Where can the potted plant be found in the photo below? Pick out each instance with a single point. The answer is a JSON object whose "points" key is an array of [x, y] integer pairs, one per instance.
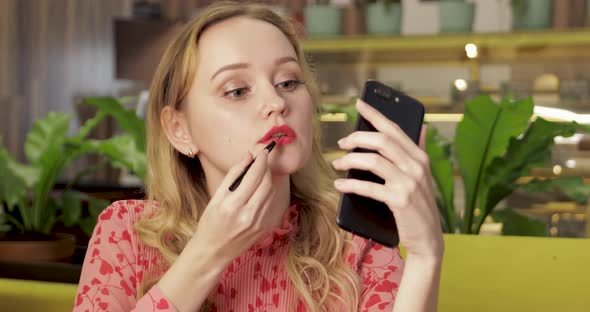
{"points": [[322, 19], [456, 15], [29, 209], [384, 17], [531, 14], [495, 144]]}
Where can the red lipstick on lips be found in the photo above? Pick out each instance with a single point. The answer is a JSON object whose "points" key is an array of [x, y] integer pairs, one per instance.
{"points": [[285, 133]]}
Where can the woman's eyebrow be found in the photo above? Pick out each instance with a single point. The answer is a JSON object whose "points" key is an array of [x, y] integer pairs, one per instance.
{"points": [[286, 59], [230, 67], [279, 61]]}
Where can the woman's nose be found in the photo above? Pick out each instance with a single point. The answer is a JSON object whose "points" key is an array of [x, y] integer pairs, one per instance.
{"points": [[274, 103]]}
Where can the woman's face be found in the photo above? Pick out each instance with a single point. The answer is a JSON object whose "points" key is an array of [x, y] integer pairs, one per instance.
{"points": [[248, 80]]}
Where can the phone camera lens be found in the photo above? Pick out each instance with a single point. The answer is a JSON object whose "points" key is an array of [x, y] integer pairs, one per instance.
{"points": [[388, 94], [384, 93]]}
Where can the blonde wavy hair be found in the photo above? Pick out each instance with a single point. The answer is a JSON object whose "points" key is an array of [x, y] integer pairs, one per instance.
{"points": [[316, 263]]}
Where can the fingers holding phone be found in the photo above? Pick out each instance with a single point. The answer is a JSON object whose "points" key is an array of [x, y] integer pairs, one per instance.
{"points": [[386, 194], [394, 143]]}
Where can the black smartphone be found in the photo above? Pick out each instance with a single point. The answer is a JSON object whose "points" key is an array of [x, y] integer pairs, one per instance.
{"points": [[364, 216]]}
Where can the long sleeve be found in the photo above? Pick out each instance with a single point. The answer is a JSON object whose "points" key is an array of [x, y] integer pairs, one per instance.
{"points": [[381, 273], [110, 275]]}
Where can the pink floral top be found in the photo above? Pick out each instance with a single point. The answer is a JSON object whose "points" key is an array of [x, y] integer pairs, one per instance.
{"points": [[117, 261]]}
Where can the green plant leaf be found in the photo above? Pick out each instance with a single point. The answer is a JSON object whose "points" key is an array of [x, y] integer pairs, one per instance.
{"points": [[87, 127], [45, 150], [71, 207], [532, 149], [46, 137], [573, 187], [49, 151], [121, 152], [48, 216], [95, 207], [517, 224], [5, 227], [51, 166], [13, 187], [442, 172], [126, 119], [87, 225], [8, 222], [29, 174], [482, 135], [15, 181]]}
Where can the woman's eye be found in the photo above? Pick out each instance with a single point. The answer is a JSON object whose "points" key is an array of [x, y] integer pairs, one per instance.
{"points": [[290, 84], [236, 94]]}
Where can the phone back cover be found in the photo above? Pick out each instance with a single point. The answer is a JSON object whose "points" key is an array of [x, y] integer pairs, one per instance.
{"points": [[364, 216]]}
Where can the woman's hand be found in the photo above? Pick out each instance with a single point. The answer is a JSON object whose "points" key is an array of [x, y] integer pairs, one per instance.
{"points": [[230, 224], [407, 190], [234, 221]]}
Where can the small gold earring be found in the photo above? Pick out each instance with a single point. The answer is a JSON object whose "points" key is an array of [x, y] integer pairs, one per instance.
{"points": [[190, 152]]}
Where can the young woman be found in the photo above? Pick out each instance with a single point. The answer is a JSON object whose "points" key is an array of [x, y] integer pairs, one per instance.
{"points": [[234, 80]]}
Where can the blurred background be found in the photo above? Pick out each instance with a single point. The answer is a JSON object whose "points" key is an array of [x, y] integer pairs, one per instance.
{"points": [[74, 57]]}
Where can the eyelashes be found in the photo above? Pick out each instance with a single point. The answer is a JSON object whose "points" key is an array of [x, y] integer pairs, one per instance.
{"points": [[236, 94], [290, 85], [242, 92]]}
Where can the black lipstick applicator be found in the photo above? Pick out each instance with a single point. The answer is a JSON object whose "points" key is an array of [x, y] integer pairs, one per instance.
{"points": [[238, 180]]}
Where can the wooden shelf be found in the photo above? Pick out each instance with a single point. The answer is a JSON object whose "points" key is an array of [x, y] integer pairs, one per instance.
{"points": [[449, 49], [439, 110], [574, 37], [341, 99]]}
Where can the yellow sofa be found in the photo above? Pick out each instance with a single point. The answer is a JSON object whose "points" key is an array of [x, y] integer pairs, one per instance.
{"points": [[480, 273], [500, 273], [29, 296]]}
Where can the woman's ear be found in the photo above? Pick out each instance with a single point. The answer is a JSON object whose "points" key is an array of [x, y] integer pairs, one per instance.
{"points": [[176, 128]]}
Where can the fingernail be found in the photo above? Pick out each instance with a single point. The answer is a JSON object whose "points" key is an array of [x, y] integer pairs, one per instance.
{"points": [[338, 182], [341, 141]]}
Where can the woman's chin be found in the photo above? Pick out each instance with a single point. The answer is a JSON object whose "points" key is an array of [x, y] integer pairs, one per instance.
{"points": [[286, 164]]}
